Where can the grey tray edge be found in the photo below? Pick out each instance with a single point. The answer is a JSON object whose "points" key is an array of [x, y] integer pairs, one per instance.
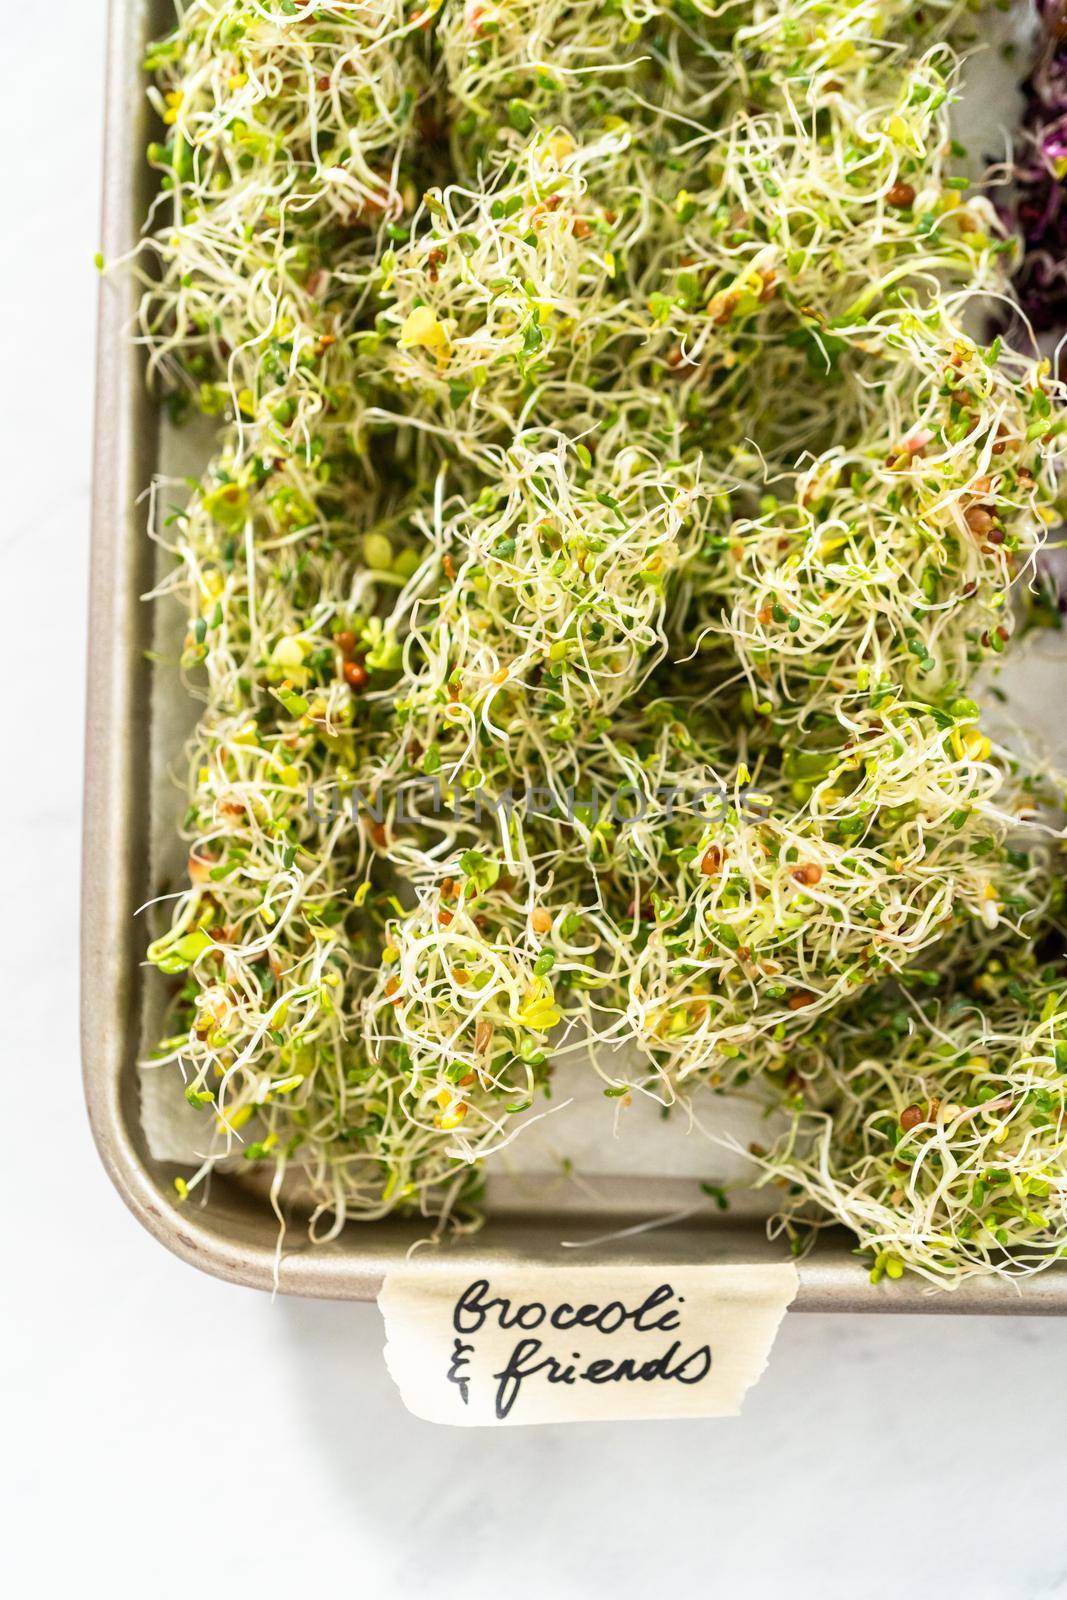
{"points": [[233, 1237]]}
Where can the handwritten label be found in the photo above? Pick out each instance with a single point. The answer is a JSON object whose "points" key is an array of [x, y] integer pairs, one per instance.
{"points": [[570, 1344]]}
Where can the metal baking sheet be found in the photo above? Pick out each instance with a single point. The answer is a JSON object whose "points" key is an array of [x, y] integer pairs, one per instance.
{"points": [[234, 1234]]}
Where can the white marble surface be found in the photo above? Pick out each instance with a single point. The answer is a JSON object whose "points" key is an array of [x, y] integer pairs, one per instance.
{"points": [[170, 1436]]}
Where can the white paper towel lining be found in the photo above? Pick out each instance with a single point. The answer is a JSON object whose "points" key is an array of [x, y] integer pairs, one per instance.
{"points": [[565, 1154]]}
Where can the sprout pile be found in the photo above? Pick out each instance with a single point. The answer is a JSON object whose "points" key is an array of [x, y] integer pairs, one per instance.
{"points": [[1041, 175], [615, 509]]}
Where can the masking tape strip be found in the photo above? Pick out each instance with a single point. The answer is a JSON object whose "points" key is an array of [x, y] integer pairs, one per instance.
{"points": [[525, 1344]]}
